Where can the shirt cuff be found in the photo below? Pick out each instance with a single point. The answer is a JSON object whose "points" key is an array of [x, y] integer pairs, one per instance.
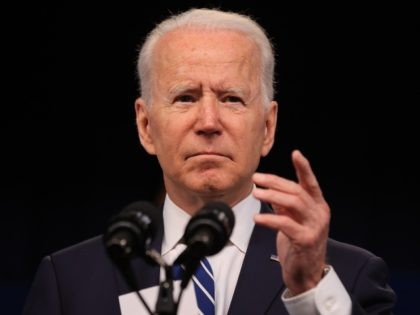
{"points": [[329, 297]]}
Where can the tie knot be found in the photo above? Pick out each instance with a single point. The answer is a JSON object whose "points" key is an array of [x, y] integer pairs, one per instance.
{"points": [[177, 272], [178, 269]]}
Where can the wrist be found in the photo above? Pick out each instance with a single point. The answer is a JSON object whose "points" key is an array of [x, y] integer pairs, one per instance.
{"points": [[299, 288]]}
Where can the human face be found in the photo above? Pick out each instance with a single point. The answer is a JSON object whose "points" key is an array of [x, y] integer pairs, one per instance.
{"points": [[206, 124]]}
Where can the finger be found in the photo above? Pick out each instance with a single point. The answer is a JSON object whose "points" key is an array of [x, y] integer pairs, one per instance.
{"points": [[283, 203], [305, 175], [276, 182], [279, 223]]}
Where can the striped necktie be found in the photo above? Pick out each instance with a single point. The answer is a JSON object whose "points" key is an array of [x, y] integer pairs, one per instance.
{"points": [[203, 286]]}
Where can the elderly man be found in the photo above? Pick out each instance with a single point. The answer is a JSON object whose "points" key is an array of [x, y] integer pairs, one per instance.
{"points": [[207, 112]]}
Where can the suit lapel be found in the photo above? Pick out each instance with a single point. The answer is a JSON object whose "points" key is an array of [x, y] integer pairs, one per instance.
{"points": [[260, 281]]}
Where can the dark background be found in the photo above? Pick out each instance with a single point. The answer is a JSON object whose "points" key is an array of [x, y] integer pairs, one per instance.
{"points": [[348, 89]]}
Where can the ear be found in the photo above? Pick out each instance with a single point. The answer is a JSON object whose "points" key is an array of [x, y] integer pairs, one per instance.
{"points": [[270, 128], [143, 126]]}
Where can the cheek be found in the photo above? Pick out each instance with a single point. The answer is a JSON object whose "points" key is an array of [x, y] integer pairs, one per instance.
{"points": [[252, 133], [167, 136], [248, 146]]}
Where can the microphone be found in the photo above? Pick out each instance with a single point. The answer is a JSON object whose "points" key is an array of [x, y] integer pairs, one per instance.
{"points": [[206, 234], [130, 232]]}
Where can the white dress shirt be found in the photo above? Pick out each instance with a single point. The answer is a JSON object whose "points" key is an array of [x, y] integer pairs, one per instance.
{"points": [[329, 297]]}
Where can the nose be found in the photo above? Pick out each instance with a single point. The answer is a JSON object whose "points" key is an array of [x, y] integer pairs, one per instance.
{"points": [[208, 117]]}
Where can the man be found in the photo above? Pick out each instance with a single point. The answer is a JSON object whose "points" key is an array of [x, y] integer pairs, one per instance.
{"points": [[207, 113]]}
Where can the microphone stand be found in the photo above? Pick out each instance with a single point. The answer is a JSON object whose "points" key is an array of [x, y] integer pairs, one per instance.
{"points": [[165, 304], [128, 274]]}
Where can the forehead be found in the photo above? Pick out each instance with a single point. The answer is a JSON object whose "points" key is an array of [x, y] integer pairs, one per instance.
{"points": [[199, 47]]}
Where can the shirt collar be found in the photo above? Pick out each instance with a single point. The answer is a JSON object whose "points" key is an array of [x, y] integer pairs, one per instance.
{"points": [[175, 220], [244, 221]]}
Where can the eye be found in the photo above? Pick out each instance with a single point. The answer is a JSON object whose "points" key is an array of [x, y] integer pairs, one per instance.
{"points": [[232, 99], [184, 98]]}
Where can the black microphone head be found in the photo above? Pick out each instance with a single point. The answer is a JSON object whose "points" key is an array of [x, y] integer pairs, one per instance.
{"points": [[210, 228], [131, 231]]}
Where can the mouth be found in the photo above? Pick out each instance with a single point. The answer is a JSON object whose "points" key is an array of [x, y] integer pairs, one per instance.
{"points": [[208, 154]]}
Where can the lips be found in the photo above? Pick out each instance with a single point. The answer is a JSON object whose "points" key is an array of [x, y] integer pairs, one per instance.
{"points": [[208, 153]]}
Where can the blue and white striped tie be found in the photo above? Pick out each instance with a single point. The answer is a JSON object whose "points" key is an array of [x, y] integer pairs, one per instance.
{"points": [[203, 286]]}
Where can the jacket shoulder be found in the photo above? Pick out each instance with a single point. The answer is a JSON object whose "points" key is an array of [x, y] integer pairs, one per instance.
{"points": [[340, 248], [87, 248], [74, 279], [350, 261]]}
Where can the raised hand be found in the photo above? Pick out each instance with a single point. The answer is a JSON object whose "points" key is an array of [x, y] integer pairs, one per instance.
{"points": [[301, 217]]}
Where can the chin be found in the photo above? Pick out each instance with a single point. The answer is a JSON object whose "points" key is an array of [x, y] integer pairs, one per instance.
{"points": [[211, 186]]}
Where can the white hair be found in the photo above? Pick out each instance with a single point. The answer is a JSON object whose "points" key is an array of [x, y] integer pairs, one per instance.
{"points": [[209, 19]]}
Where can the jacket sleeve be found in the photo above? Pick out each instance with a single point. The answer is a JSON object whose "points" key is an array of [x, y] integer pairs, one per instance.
{"points": [[44, 295], [371, 293]]}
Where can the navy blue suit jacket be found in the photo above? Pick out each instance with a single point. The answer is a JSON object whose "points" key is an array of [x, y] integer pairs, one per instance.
{"points": [[82, 280]]}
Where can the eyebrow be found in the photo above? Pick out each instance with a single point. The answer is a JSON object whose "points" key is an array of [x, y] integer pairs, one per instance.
{"points": [[182, 88], [193, 87], [233, 90]]}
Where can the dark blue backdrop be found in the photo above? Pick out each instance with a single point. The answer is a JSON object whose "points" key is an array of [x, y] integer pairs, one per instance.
{"points": [[347, 87]]}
